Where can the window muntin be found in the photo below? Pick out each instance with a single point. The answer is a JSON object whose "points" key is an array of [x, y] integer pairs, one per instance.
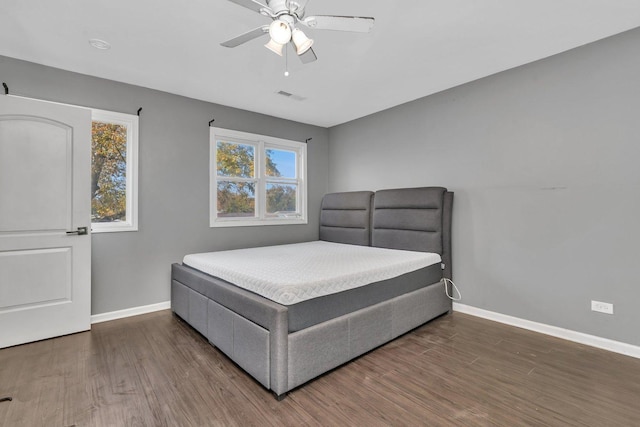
{"points": [[114, 152], [256, 180]]}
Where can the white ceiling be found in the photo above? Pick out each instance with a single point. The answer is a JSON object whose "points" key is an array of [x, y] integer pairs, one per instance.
{"points": [[416, 48]]}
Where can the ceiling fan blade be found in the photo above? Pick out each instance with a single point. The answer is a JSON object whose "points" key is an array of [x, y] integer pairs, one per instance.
{"points": [[254, 5], [308, 56], [358, 24], [243, 38]]}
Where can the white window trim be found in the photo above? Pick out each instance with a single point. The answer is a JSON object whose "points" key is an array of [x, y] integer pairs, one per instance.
{"points": [[132, 123], [260, 142]]}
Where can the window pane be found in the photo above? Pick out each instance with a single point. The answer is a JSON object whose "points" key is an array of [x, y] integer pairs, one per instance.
{"points": [[281, 200], [236, 199], [281, 163], [235, 160], [108, 172]]}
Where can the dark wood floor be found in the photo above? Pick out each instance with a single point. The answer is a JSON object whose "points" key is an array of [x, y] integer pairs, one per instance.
{"points": [[154, 370]]}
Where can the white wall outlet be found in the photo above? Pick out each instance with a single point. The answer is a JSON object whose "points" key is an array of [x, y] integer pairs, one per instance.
{"points": [[602, 307]]}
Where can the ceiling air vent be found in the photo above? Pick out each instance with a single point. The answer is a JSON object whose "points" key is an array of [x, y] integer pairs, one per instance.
{"points": [[290, 95]]}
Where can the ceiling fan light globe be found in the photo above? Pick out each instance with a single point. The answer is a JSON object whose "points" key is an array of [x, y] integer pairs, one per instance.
{"points": [[302, 42], [274, 47], [280, 32]]}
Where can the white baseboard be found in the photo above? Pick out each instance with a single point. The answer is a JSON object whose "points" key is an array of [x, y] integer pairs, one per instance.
{"points": [[133, 311], [579, 337]]}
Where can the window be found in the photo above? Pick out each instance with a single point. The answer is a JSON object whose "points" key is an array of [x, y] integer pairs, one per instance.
{"points": [[114, 170], [256, 180]]}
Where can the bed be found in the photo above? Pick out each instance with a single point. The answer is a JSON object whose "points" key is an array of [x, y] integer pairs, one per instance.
{"points": [[285, 334]]}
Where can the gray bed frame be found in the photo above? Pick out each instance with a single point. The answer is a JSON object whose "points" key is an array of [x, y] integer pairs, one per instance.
{"points": [[253, 331]]}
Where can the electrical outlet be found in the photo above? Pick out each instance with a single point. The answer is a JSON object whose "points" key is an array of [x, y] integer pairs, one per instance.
{"points": [[602, 307]]}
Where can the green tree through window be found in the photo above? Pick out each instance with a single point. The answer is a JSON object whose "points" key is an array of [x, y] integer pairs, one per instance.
{"points": [[108, 172], [235, 160], [256, 180], [281, 198]]}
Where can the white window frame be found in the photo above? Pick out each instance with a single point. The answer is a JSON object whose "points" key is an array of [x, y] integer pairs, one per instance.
{"points": [[261, 144], [132, 123]]}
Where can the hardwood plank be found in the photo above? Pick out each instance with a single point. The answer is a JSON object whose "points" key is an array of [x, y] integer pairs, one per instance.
{"points": [[155, 370]]}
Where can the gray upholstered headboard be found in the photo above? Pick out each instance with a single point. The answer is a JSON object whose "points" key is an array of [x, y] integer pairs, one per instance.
{"points": [[414, 219], [346, 218]]}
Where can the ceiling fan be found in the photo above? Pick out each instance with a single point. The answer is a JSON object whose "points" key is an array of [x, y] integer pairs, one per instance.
{"points": [[286, 15]]}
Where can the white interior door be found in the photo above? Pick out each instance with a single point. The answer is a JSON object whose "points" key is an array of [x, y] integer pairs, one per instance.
{"points": [[45, 272]]}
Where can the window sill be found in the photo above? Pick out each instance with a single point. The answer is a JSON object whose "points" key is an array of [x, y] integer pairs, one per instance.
{"points": [[103, 228], [256, 222]]}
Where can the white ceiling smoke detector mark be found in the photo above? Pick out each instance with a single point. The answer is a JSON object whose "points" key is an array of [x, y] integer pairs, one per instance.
{"points": [[99, 44]]}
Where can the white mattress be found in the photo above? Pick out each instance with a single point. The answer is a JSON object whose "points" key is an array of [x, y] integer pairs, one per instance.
{"points": [[288, 274]]}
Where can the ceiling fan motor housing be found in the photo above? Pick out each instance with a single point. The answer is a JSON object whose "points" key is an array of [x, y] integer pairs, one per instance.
{"points": [[286, 8]]}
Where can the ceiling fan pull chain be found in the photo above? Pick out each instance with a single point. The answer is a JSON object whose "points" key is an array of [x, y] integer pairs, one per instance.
{"points": [[286, 61]]}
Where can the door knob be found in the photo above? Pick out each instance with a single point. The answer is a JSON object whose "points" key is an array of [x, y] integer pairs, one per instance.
{"points": [[80, 231]]}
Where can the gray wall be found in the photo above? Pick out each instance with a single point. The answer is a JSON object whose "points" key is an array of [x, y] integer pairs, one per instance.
{"points": [[544, 163], [131, 269]]}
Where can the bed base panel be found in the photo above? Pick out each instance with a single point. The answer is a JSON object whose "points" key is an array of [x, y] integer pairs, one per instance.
{"points": [[259, 312], [253, 331], [325, 346], [243, 341]]}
